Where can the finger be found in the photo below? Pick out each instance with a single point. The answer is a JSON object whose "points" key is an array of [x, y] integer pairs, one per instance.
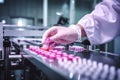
{"points": [[49, 33]]}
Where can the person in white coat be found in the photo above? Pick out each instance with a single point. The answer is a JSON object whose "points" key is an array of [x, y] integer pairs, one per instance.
{"points": [[100, 26]]}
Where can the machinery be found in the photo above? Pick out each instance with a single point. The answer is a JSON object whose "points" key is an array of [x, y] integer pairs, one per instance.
{"points": [[21, 58]]}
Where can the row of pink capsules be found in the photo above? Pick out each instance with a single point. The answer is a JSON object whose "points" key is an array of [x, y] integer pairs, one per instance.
{"points": [[54, 55], [74, 64], [76, 48], [67, 61], [59, 48], [71, 48]]}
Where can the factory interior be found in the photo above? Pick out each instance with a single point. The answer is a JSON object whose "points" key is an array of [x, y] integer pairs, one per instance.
{"points": [[22, 25]]}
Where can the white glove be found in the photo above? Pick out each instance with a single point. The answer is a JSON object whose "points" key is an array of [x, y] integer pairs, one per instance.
{"points": [[61, 35]]}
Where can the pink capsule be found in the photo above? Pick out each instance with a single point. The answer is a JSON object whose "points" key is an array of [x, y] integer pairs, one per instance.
{"points": [[70, 57], [58, 55], [43, 53], [52, 53], [39, 53], [55, 51], [77, 48], [29, 48], [72, 48], [64, 54], [32, 49], [45, 47], [51, 50], [47, 54], [60, 48], [52, 56], [62, 59], [77, 59], [37, 50]]}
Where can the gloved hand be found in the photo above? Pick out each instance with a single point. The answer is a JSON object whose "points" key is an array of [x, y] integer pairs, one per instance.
{"points": [[60, 35]]}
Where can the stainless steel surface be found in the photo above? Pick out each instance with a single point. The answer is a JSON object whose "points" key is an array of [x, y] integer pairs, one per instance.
{"points": [[1, 54], [71, 70], [1, 38], [23, 31]]}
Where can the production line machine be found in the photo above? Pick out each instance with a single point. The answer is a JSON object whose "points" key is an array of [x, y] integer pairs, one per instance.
{"points": [[11, 66], [76, 63], [25, 60]]}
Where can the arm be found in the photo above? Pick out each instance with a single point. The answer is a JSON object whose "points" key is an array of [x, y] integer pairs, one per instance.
{"points": [[103, 24]]}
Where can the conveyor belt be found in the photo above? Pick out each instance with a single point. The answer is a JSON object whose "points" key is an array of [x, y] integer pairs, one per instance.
{"points": [[59, 65]]}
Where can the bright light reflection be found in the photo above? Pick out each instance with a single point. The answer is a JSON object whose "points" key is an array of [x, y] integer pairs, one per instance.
{"points": [[3, 21], [20, 22], [71, 75], [1, 1]]}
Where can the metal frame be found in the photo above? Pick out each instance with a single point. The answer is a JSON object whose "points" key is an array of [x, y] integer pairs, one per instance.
{"points": [[23, 31], [11, 31]]}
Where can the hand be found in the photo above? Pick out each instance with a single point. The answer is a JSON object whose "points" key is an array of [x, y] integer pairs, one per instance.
{"points": [[60, 35]]}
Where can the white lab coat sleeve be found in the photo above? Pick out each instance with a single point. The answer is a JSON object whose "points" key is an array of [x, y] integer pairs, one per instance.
{"points": [[103, 23]]}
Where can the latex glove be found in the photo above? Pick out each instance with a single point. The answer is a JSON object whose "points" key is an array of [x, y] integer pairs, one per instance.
{"points": [[47, 45], [60, 35]]}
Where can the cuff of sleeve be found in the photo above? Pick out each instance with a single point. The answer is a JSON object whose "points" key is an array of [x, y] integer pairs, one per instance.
{"points": [[78, 30]]}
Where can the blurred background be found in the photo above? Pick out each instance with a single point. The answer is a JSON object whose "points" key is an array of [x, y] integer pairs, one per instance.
{"points": [[46, 13]]}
